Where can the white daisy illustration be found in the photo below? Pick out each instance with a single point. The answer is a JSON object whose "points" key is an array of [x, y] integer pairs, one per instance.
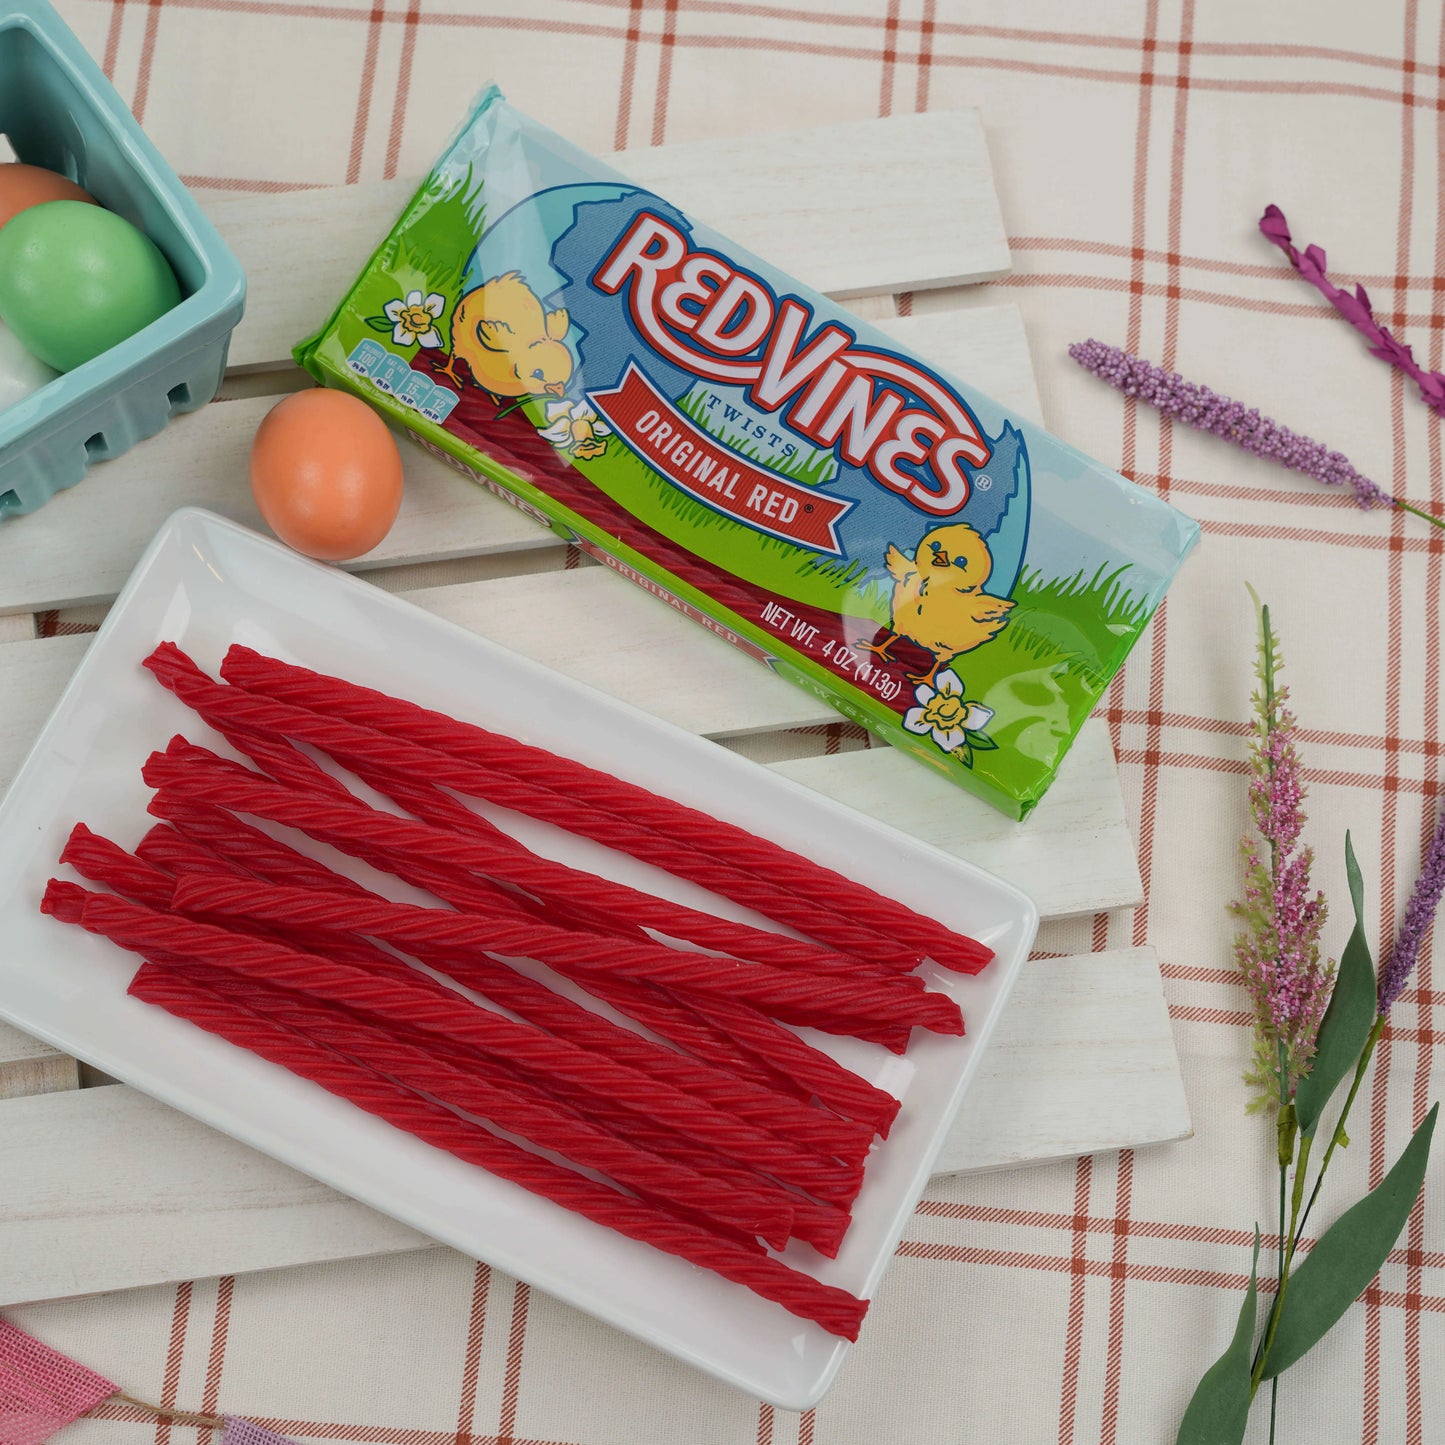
{"points": [[414, 319], [942, 713]]}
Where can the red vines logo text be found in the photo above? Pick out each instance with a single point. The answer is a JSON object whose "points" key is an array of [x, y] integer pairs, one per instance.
{"points": [[722, 323]]}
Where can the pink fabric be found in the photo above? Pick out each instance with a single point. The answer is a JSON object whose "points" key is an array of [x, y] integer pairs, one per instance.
{"points": [[42, 1391], [243, 1432]]}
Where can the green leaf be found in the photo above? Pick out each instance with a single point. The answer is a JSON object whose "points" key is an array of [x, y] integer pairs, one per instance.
{"points": [[982, 742], [1219, 1411], [378, 323], [1349, 1018], [1348, 1256]]}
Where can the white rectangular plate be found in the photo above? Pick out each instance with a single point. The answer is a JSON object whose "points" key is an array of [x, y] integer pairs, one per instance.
{"points": [[205, 583]]}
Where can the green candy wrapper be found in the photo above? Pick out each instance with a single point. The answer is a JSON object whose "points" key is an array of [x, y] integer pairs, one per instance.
{"points": [[955, 579]]}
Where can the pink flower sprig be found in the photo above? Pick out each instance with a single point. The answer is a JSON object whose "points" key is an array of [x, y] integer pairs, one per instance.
{"points": [[1355, 308], [1197, 406], [1278, 947]]}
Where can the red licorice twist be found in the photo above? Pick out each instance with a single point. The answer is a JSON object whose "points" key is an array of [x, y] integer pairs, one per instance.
{"points": [[242, 717], [519, 1108], [261, 903], [834, 1309], [420, 1001], [200, 775], [787, 1058], [258, 726], [820, 1225], [507, 863], [786, 995], [893, 926]]}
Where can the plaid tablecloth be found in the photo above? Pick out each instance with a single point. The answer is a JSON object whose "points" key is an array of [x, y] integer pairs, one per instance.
{"points": [[1136, 143]]}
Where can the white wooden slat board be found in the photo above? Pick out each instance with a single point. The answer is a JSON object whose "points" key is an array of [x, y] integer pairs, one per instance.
{"points": [[107, 1189], [29, 1067], [1073, 851], [850, 209], [80, 547]]}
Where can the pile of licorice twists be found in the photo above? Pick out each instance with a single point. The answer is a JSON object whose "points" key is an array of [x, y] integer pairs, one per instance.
{"points": [[720, 1132]]}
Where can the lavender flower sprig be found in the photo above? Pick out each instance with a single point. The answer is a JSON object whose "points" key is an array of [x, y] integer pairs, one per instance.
{"points": [[1355, 308], [1207, 411], [1419, 913]]}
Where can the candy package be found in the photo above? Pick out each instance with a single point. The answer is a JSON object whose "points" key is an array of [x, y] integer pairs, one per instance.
{"points": [[953, 578]]}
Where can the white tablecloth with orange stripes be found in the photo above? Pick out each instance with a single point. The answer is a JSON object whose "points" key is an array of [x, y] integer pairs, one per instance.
{"points": [[1136, 143]]}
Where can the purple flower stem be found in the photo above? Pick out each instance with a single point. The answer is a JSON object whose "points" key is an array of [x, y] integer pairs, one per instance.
{"points": [[1208, 411], [1419, 914]]}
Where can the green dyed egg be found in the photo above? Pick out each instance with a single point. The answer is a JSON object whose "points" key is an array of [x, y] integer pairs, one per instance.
{"points": [[76, 280]]}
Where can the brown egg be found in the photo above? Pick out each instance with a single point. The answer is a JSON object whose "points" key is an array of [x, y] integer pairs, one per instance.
{"points": [[23, 186], [326, 474]]}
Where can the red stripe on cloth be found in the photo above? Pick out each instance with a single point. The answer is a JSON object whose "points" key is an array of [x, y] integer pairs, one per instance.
{"points": [[1074, 1330], [363, 97], [263, 188], [1370, 1432], [516, 1347], [889, 57], [112, 38], [147, 59], [668, 42], [765, 1425], [220, 1331], [180, 1319], [1423, 993], [403, 90], [832, 20], [926, 30], [472, 1356], [629, 74], [41, 1390]]}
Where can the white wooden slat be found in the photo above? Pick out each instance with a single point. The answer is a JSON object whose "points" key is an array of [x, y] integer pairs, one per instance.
{"points": [[28, 1066], [981, 345], [52, 1073], [901, 204], [111, 1190], [1083, 1061], [32, 676], [18, 1048], [1074, 855], [80, 547], [107, 1189]]}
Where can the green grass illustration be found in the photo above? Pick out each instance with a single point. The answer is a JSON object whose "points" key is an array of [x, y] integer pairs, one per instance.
{"points": [[423, 254], [1065, 637]]}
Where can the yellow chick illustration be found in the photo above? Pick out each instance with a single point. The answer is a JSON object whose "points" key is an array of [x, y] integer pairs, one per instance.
{"points": [[513, 345], [938, 601]]}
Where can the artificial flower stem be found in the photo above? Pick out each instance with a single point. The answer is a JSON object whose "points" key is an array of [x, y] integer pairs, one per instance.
{"points": [[1366, 1054], [1417, 512], [1297, 1199], [1279, 1248]]}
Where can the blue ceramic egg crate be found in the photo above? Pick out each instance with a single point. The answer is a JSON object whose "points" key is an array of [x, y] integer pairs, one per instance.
{"points": [[59, 111]]}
